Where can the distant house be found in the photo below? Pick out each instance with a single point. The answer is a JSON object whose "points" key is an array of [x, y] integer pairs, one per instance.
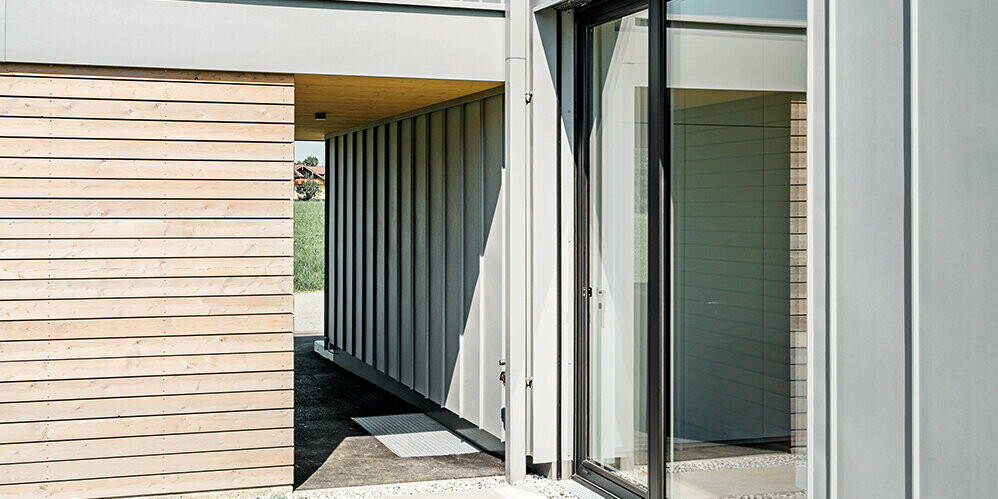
{"points": [[305, 172]]}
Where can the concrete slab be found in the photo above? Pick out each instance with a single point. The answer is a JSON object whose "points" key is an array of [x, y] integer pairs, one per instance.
{"points": [[309, 313], [331, 451]]}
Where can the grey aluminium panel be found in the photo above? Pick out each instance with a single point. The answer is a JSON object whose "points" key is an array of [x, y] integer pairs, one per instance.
{"points": [[349, 236], [454, 206], [425, 195], [306, 36], [955, 212], [381, 251], [492, 271], [471, 391], [355, 342], [370, 181], [394, 325], [406, 269], [3, 30], [330, 238], [421, 257], [437, 256], [340, 288]]}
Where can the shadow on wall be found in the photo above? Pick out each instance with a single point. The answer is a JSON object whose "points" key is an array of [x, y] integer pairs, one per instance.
{"points": [[415, 265]]}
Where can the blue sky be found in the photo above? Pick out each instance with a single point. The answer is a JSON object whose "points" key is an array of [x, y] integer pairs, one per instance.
{"points": [[306, 148]]}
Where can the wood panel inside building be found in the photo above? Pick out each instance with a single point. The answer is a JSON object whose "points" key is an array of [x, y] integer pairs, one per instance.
{"points": [[145, 281]]}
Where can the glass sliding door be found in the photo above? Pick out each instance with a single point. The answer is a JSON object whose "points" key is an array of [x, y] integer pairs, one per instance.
{"points": [[692, 318], [615, 345], [735, 119]]}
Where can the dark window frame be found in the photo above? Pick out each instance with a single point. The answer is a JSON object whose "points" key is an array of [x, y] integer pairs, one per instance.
{"points": [[659, 240]]}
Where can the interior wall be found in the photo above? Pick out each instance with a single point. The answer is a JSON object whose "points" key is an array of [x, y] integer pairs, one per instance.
{"points": [[416, 273], [145, 281]]}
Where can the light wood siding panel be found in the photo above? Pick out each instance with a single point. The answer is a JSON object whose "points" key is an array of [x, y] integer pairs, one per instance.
{"points": [[145, 281], [428, 311]]}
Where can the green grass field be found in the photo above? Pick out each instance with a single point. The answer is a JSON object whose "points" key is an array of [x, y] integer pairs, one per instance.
{"points": [[309, 245]]}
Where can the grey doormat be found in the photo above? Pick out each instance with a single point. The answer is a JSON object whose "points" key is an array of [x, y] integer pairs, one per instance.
{"points": [[414, 435]]}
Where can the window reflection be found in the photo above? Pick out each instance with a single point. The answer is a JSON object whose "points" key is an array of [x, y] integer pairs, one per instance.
{"points": [[738, 172], [618, 224]]}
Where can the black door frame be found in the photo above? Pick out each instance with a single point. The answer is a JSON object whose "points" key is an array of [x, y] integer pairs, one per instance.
{"points": [[659, 240]]}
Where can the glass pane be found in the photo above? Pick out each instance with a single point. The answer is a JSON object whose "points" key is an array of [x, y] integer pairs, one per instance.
{"points": [[618, 220], [783, 10], [738, 334]]}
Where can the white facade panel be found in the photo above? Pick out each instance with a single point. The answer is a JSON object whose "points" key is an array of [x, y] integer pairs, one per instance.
{"points": [[954, 118], [342, 38]]}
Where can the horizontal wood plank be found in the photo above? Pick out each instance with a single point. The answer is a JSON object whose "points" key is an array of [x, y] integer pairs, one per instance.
{"points": [[145, 149], [146, 130], [144, 169], [143, 248], [145, 465], [144, 307], [156, 484], [128, 328], [144, 346], [147, 189], [135, 426], [87, 228], [140, 208], [54, 289], [138, 446], [143, 406], [145, 267], [39, 391], [148, 90], [144, 110], [151, 366], [146, 261]]}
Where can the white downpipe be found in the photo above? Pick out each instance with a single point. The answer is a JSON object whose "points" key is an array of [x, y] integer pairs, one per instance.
{"points": [[516, 186]]}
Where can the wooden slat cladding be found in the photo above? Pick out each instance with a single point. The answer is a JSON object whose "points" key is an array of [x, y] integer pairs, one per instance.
{"points": [[145, 281], [415, 253], [108, 169]]}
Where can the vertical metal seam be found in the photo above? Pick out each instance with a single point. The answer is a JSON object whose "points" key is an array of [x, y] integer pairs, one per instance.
{"points": [[558, 257], [358, 230], [327, 222], [462, 270], [909, 270], [481, 248], [443, 276], [829, 478]]}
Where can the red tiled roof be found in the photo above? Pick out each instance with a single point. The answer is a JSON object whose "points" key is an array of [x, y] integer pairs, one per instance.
{"points": [[318, 171]]}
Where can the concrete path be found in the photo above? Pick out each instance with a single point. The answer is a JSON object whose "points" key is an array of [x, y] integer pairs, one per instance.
{"points": [[309, 313], [331, 450]]}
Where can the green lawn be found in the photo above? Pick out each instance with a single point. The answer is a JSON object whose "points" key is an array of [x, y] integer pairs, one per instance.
{"points": [[309, 245]]}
